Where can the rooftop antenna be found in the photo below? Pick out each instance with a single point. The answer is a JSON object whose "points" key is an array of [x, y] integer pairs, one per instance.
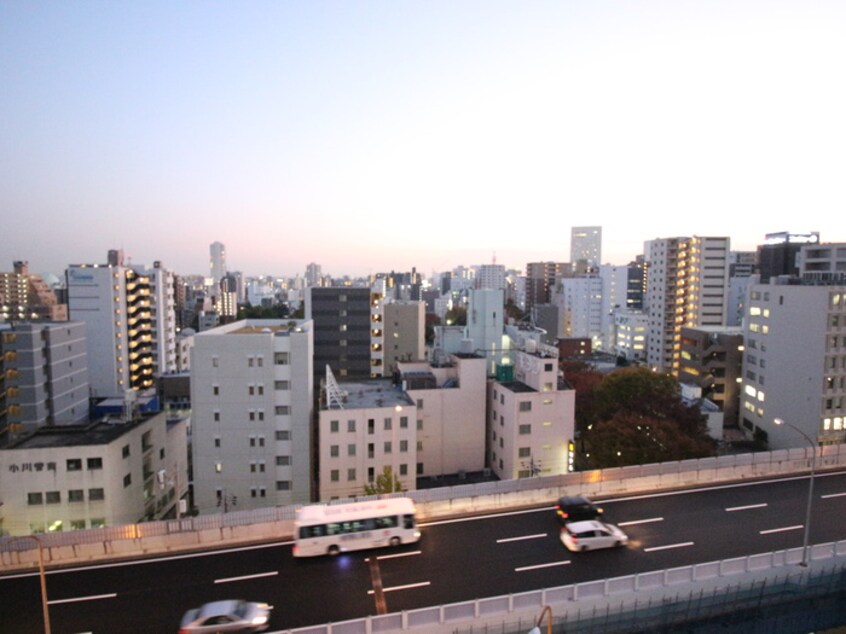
{"points": [[334, 394]]}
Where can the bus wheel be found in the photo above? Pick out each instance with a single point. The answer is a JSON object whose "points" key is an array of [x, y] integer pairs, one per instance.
{"points": [[333, 550], [395, 541]]}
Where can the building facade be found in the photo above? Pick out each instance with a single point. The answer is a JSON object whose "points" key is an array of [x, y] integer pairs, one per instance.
{"points": [[130, 320], [27, 297], [794, 364], [43, 373], [586, 245], [687, 285], [531, 418], [105, 473], [252, 402], [712, 360]]}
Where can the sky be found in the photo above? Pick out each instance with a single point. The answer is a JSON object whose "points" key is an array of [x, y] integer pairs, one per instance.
{"points": [[374, 136]]}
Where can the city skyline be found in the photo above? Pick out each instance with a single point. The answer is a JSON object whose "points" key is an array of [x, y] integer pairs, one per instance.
{"points": [[370, 136]]}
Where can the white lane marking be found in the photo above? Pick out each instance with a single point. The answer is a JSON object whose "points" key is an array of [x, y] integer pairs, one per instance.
{"points": [[782, 530], [89, 598], [422, 584], [667, 547], [747, 507], [833, 495], [245, 577], [549, 565], [505, 540], [395, 555], [646, 521]]}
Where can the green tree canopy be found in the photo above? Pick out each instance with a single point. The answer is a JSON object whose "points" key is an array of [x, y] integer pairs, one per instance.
{"points": [[456, 316], [386, 482], [636, 416]]}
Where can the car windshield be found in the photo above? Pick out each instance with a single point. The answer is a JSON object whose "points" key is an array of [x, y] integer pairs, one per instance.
{"points": [[240, 609]]}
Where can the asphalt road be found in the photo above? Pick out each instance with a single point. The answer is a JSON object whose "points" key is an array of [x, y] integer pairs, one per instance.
{"points": [[454, 561]]}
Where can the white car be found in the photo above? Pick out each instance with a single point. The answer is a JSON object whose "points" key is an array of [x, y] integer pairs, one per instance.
{"points": [[579, 536], [233, 615]]}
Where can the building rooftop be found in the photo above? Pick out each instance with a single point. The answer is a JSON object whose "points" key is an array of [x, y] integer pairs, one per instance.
{"points": [[517, 386], [101, 432], [371, 394]]}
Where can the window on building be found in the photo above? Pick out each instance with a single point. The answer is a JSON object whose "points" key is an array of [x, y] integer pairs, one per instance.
{"points": [[281, 385], [525, 429], [403, 422], [350, 475], [96, 494], [525, 406], [94, 464], [387, 424], [350, 450], [403, 469], [74, 464], [76, 495], [335, 475], [334, 451], [283, 461], [524, 452], [127, 480], [216, 390], [77, 525], [282, 410], [125, 451], [333, 426], [419, 468], [371, 425], [388, 446], [280, 358], [217, 441], [350, 425], [403, 446], [283, 485], [419, 403], [283, 434], [217, 417]]}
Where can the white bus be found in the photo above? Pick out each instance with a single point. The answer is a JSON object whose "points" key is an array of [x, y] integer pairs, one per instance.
{"points": [[328, 529]]}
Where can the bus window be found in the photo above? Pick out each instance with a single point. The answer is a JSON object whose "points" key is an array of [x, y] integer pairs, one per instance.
{"points": [[408, 521]]}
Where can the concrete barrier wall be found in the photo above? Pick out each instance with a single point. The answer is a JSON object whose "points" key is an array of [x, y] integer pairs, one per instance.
{"points": [[276, 523], [627, 592]]}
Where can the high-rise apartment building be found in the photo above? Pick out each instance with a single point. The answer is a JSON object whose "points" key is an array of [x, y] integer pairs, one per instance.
{"points": [[27, 297], [217, 266], [252, 402], [130, 320], [313, 274], [687, 285], [43, 373], [794, 365], [491, 276], [540, 281], [824, 263], [586, 245]]}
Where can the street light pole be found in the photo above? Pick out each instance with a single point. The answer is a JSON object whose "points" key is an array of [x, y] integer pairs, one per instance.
{"points": [[43, 579], [779, 421]]}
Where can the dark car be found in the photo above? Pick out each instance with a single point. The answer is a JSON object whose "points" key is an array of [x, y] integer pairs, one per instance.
{"points": [[576, 508]]}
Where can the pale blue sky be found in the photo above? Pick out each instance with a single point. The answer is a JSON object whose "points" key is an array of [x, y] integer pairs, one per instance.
{"points": [[374, 136]]}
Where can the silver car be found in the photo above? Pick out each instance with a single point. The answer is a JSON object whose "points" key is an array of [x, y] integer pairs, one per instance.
{"points": [[579, 536], [233, 615]]}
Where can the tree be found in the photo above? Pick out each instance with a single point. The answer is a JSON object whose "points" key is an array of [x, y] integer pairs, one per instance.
{"points": [[386, 482], [636, 416], [512, 311]]}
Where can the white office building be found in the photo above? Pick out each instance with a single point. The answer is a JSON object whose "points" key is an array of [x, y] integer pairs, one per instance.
{"points": [[794, 364], [450, 408], [252, 400], [631, 327], [365, 427], [105, 473], [531, 418]]}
